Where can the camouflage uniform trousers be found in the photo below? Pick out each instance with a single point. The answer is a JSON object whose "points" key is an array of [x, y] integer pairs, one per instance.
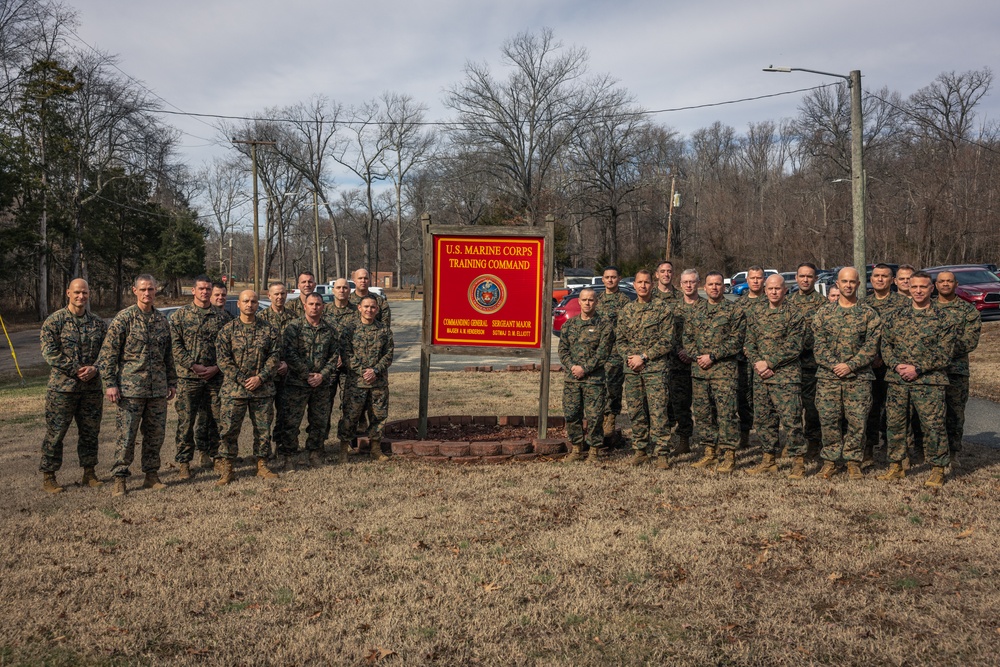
{"points": [[317, 403], [261, 417], [584, 401], [337, 382], [355, 402], [614, 378], [928, 403], [843, 407], [61, 408], [148, 415], [744, 394], [646, 396], [679, 419], [774, 405], [714, 402], [198, 410], [811, 427], [875, 427], [956, 396], [279, 428]]}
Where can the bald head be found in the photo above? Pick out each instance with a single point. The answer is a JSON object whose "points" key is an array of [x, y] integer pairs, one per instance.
{"points": [[946, 284], [248, 305], [78, 295], [775, 290], [341, 292], [848, 282]]}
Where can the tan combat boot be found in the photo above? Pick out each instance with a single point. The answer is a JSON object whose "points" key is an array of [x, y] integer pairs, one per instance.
{"points": [[596, 455], [376, 453], [798, 468], [90, 479], [183, 471], [895, 471], [744, 440], [936, 480], [49, 484], [905, 463], [225, 469], [662, 462], [609, 425], [728, 463], [575, 454], [205, 461], [828, 470], [683, 445], [119, 488], [344, 448], [707, 459], [152, 481], [767, 464], [854, 471], [315, 459], [263, 471], [638, 458]]}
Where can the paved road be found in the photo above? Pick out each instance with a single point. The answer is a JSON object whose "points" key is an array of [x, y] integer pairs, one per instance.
{"points": [[982, 421]]}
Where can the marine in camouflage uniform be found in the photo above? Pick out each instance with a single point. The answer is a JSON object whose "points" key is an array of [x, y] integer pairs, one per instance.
{"points": [[645, 332], [340, 316], [845, 339], [716, 330], [609, 305], [193, 331], [306, 285], [247, 350], [744, 373], [71, 340], [366, 349], [678, 373], [807, 304], [956, 395], [921, 340], [279, 319], [585, 342], [774, 335], [137, 367], [384, 315], [310, 349], [875, 427]]}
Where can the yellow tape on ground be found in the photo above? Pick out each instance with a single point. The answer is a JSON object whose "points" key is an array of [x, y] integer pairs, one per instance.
{"points": [[12, 352]]}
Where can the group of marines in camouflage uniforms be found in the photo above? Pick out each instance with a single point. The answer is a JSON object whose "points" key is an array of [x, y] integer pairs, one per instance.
{"points": [[276, 365], [834, 373]]}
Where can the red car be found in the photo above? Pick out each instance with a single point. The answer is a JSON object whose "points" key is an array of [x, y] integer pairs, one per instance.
{"points": [[570, 305], [977, 285]]}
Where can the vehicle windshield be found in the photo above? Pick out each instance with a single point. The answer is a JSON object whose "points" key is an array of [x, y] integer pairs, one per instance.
{"points": [[974, 277]]}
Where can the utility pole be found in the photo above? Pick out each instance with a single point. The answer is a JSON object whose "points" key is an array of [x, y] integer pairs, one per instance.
{"points": [[670, 217], [858, 193], [316, 253], [253, 143]]}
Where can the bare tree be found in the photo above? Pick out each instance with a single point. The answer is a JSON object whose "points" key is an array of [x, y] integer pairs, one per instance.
{"points": [[224, 182]]}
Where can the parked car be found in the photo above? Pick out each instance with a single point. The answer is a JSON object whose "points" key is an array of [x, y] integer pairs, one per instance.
{"points": [[789, 278], [740, 285], [232, 307], [570, 305], [977, 285]]}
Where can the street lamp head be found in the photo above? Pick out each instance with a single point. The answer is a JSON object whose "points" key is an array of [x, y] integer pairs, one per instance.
{"points": [[772, 68]]}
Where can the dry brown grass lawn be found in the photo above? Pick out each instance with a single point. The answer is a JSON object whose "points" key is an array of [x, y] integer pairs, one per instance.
{"points": [[544, 563], [985, 364]]}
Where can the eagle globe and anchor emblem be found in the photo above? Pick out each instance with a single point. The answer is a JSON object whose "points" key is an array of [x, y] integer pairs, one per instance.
{"points": [[487, 294]]}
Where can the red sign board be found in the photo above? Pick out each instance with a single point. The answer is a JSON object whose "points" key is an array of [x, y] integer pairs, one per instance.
{"points": [[488, 290]]}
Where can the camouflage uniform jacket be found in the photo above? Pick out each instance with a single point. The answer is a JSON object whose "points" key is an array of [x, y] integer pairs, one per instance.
{"points": [[807, 304], [68, 344], [193, 332], [744, 305], [775, 335], [136, 357], [846, 336], [970, 324], [586, 343], [884, 307], [716, 329], [310, 349], [278, 320], [609, 305], [384, 316], [924, 338], [646, 328], [297, 307], [682, 310], [224, 314], [246, 350], [341, 317], [367, 346]]}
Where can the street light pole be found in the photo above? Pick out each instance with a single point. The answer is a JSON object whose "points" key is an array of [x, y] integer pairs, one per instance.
{"points": [[858, 193]]}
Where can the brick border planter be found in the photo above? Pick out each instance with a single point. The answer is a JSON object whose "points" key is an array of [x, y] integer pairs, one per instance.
{"points": [[461, 452]]}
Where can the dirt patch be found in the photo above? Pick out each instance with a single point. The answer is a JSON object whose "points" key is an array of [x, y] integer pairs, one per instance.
{"points": [[474, 432]]}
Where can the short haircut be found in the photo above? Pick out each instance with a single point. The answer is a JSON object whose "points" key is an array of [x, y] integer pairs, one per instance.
{"points": [[690, 272], [219, 285], [664, 261], [907, 267], [202, 279], [808, 265], [368, 297], [314, 295], [921, 274], [276, 283], [611, 267], [881, 265], [644, 272], [587, 289], [714, 273], [755, 268], [307, 273], [144, 278]]}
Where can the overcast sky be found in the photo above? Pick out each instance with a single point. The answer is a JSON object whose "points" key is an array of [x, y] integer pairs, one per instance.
{"points": [[240, 56]]}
